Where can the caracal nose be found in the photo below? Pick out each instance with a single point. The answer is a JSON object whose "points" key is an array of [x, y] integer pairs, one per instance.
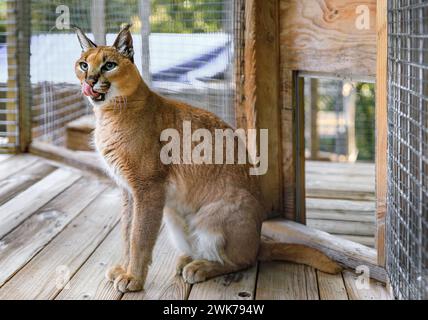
{"points": [[92, 80]]}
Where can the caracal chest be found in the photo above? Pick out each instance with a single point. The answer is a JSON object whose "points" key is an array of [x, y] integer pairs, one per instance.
{"points": [[113, 153]]}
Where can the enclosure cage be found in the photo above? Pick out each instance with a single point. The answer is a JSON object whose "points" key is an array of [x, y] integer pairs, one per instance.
{"points": [[407, 218], [302, 69], [184, 50]]}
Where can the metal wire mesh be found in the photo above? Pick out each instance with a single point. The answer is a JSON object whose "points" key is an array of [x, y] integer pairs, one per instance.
{"points": [[407, 218], [339, 117], [185, 52], [9, 133]]}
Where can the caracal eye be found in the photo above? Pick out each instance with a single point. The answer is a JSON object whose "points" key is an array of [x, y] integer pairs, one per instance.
{"points": [[110, 66], [84, 66]]}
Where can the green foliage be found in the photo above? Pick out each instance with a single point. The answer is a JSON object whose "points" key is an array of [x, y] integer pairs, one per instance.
{"points": [[365, 121], [186, 16], [2, 18], [167, 16]]}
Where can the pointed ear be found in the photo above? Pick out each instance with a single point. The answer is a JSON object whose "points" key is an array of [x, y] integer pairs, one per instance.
{"points": [[124, 43], [85, 42]]}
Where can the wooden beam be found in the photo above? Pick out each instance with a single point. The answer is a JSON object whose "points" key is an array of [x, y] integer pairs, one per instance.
{"points": [[79, 159], [262, 104], [23, 76], [324, 36], [348, 253], [19, 85], [12, 86], [98, 21], [381, 127], [239, 62], [299, 154], [145, 11]]}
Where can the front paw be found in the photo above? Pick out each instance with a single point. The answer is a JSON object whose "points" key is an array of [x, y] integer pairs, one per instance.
{"points": [[114, 272], [182, 261], [195, 272], [128, 283]]}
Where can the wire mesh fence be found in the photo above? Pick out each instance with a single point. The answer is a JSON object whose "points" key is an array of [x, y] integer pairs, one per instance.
{"points": [[184, 50], [407, 218], [9, 133], [339, 120]]}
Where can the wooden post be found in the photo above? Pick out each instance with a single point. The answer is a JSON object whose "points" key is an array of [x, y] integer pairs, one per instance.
{"points": [[381, 127], [239, 62], [261, 88], [145, 11], [98, 21], [299, 129], [12, 81], [23, 14], [315, 144]]}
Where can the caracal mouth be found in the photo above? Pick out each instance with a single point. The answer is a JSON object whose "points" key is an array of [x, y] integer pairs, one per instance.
{"points": [[89, 91]]}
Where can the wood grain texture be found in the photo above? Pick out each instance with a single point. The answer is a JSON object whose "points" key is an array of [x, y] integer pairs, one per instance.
{"points": [[375, 290], [89, 283], [343, 227], [317, 36], [262, 105], [288, 142], [23, 74], [15, 164], [322, 36], [338, 168], [22, 180], [285, 281], [368, 241], [47, 273], [162, 283], [381, 127], [366, 208], [236, 286], [331, 286], [339, 216], [79, 159], [13, 212], [346, 252], [4, 157], [32, 235]]}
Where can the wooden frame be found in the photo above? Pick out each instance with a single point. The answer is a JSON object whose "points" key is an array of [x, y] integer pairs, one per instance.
{"points": [[381, 127], [98, 21], [19, 85], [261, 106]]}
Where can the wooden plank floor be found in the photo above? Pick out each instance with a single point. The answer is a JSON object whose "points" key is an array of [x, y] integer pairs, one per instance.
{"points": [[340, 199], [59, 231]]}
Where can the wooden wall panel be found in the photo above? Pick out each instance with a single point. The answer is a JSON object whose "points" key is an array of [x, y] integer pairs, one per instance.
{"points": [[322, 36], [261, 90], [319, 36]]}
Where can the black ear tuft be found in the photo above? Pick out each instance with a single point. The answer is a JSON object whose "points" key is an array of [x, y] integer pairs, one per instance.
{"points": [[124, 43], [85, 42]]}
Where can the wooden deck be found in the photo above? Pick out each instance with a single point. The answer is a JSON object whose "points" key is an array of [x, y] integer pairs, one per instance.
{"points": [[59, 231], [340, 199]]}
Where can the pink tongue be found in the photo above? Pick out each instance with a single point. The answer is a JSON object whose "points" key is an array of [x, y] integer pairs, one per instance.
{"points": [[88, 91]]}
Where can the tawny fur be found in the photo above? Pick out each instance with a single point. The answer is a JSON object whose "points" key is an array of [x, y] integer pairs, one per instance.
{"points": [[213, 213]]}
